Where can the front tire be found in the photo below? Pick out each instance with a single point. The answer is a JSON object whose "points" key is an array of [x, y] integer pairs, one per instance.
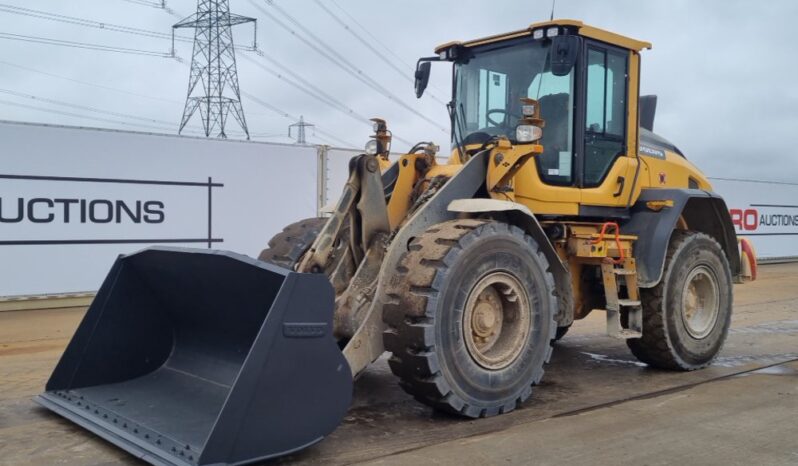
{"points": [[287, 247], [470, 317], [686, 317]]}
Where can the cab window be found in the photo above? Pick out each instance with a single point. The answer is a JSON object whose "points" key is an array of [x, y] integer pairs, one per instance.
{"points": [[493, 101], [605, 125], [489, 88], [555, 95]]}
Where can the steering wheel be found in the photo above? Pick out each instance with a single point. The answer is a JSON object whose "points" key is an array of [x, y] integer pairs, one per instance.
{"points": [[497, 110]]}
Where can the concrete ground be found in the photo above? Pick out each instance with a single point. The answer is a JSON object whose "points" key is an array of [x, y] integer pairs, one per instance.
{"points": [[596, 405]]}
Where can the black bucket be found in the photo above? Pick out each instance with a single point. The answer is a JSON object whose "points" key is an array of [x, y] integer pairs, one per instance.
{"points": [[192, 357]]}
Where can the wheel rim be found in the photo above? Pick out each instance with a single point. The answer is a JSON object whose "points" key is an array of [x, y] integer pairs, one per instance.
{"points": [[700, 302], [496, 322]]}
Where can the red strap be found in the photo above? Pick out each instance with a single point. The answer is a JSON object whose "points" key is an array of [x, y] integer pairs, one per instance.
{"points": [[617, 240]]}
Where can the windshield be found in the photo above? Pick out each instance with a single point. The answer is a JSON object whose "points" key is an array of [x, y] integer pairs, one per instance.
{"points": [[489, 88]]}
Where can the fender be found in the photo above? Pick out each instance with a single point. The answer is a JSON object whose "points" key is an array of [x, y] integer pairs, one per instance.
{"points": [[703, 211], [520, 216]]}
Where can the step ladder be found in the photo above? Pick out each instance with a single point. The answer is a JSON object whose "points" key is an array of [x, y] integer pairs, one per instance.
{"points": [[614, 274]]}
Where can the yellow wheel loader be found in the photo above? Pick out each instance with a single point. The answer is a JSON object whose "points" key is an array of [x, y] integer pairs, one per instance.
{"points": [[557, 200]]}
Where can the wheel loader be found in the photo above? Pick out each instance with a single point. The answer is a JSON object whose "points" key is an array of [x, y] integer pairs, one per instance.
{"points": [[557, 200]]}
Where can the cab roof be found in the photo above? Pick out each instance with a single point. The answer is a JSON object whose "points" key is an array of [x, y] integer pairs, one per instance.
{"points": [[584, 30]]}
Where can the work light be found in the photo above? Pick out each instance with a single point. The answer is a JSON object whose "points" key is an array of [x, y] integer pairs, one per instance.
{"points": [[528, 133], [371, 147]]}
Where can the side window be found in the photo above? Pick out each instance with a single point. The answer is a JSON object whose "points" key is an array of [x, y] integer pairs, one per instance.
{"points": [[605, 120]]}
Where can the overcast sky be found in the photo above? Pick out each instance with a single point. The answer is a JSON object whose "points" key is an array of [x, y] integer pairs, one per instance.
{"points": [[725, 71]]}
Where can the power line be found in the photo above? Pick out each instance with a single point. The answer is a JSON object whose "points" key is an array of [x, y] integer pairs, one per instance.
{"points": [[313, 91], [71, 114], [287, 115], [161, 4], [170, 130], [141, 32], [86, 83], [100, 25], [158, 124], [373, 37], [154, 4], [377, 40], [82, 107], [81, 21], [305, 86], [95, 85], [377, 52], [161, 124], [339, 60], [81, 45]]}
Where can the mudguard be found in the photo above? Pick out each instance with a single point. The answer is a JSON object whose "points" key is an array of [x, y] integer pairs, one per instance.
{"points": [[703, 211]]}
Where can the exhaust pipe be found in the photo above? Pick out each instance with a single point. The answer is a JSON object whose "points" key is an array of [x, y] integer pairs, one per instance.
{"points": [[196, 357]]}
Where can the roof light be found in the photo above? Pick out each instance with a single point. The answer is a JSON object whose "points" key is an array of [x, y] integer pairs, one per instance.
{"points": [[528, 110], [442, 55], [537, 34], [551, 32]]}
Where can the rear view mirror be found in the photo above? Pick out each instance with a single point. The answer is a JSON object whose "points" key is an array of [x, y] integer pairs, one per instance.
{"points": [[564, 50], [422, 77]]}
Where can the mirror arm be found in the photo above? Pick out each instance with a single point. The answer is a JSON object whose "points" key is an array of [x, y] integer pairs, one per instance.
{"points": [[422, 74]]}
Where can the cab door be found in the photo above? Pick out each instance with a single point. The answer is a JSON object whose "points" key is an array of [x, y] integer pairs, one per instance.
{"points": [[608, 130], [548, 185]]}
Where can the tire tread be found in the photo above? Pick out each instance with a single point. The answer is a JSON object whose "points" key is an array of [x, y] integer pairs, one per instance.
{"points": [[410, 315]]}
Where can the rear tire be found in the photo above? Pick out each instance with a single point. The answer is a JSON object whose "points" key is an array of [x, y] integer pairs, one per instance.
{"points": [[287, 247], [686, 316], [470, 317]]}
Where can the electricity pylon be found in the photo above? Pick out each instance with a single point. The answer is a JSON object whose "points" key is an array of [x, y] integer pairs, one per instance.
{"points": [[213, 65]]}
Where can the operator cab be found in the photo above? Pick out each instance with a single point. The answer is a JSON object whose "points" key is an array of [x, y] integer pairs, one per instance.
{"points": [[584, 80]]}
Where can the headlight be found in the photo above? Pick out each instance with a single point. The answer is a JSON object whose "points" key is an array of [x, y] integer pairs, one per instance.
{"points": [[551, 32], [376, 126], [537, 34], [371, 147], [528, 133]]}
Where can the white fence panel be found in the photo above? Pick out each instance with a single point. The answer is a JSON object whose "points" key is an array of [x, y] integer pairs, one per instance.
{"points": [[337, 164], [764, 212], [72, 199]]}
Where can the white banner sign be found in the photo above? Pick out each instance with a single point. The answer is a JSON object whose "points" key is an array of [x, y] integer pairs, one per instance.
{"points": [[73, 199], [764, 212], [55, 210]]}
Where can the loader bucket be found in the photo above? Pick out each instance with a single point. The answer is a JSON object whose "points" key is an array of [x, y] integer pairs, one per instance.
{"points": [[194, 357]]}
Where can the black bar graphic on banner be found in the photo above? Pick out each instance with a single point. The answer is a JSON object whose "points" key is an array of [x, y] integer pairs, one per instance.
{"points": [[209, 240], [768, 234], [45, 242], [775, 205], [210, 210]]}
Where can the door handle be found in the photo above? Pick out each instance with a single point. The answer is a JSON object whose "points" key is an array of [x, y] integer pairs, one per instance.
{"points": [[621, 181]]}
